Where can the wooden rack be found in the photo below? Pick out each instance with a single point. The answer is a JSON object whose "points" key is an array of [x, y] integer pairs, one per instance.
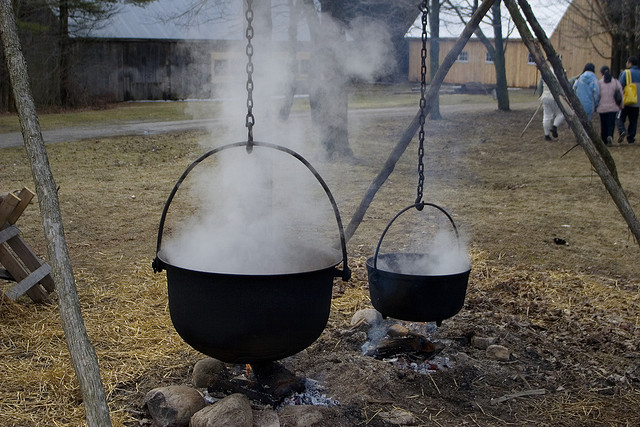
{"points": [[18, 263]]}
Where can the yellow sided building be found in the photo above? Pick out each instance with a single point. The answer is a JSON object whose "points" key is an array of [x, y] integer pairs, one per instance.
{"points": [[578, 38]]}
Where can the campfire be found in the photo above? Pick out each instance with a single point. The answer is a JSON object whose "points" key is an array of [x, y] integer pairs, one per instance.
{"points": [[404, 344], [268, 383]]}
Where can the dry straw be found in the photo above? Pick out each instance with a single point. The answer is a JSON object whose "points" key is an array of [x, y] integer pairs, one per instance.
{"points": [[127, 318]]}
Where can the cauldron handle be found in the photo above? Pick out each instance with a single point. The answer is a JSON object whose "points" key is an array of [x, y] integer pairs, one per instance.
{"points": [[419, 206], [158, 265]]}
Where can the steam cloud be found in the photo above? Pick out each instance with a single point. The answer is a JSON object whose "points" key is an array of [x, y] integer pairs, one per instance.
{"points": [[265, 213], [444, 255]]}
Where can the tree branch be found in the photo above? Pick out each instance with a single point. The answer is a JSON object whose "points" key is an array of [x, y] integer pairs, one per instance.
{"points": [[406, 137], [570, 107]]}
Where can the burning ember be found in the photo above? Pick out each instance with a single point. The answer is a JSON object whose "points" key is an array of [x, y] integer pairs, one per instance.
{"points": [[269, 383], [424, 367], [404, 344]]}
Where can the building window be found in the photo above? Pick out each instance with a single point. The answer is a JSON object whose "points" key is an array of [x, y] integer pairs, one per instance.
{"points": [[530, 60], [488, 58], [303, 66], [463, 57], [220, 67]]}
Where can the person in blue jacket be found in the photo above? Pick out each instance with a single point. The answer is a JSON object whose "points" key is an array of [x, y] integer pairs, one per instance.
{"points": [[629, 111], [587, 90]]}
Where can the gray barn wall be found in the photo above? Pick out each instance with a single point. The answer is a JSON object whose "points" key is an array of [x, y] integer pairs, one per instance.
{"points": [[126, 70], [40, 51]]}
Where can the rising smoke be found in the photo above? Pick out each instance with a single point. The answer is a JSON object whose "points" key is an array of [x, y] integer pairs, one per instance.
{"points": [[446, 254], [264, 212]]}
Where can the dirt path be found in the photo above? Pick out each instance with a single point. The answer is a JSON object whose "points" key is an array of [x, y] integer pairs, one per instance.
{"points": [[78, 133]]}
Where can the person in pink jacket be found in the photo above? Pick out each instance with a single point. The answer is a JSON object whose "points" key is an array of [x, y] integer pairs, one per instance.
{"points": [[608, 106]]}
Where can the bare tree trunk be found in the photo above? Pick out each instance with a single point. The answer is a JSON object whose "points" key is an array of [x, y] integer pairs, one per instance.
{"points": [[562, 93], [292, 66], [83, 356], [434, 53], [502, 92], [328, 82], [65, 47], [496, 51], [434, 88]]}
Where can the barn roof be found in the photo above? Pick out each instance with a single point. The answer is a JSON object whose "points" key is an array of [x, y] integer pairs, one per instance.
{"points": [[224, 20], [548, 13], [177, 20]]}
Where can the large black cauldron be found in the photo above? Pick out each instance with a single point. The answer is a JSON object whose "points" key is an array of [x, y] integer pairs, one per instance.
{"points": [[414, 297], [247, 318]]}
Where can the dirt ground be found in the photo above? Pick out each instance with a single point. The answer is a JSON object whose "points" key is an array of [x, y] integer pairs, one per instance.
{"points": [[568, 313]]}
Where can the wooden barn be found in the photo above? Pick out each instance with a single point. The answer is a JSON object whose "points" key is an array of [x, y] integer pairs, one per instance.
{"points": [[578, 38], [156, 52], [474, 63], [148, 54]]}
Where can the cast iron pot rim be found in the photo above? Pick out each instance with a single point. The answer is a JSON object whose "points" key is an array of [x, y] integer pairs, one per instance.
{"points": [[370, 265], [162, 259]]}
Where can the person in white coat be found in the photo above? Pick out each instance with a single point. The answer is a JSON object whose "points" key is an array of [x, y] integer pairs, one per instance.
{"points": [[552, 117]]}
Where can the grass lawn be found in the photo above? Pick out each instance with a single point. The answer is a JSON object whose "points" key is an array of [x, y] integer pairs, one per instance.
{"points": [[370, 96]]}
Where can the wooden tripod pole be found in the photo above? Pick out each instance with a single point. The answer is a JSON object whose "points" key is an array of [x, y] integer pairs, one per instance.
{"points": [[408, 134], [531, 120], [83, 356], [571, 108]]}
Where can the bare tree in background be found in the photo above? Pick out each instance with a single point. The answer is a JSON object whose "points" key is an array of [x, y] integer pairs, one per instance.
{"points": [[329, 77], [434, 53], [604, 23], [463, 10], [620, 19]]}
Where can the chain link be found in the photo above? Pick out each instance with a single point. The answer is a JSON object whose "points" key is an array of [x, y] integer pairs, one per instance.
{"points": [[424, 8], [250, 121]]}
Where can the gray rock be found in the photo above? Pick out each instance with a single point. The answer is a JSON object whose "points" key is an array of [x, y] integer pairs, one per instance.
{"points": [[312, 416], [498, 352], [398, 417], [207, 372], [301, 416], [482, 342], [397, 330], [265, 418], [234, 410], [370, 316], [173, 405], [461, 358]]}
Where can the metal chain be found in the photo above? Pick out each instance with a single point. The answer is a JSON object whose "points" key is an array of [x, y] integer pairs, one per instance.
{"points": [[424, 8], [249, 33]]}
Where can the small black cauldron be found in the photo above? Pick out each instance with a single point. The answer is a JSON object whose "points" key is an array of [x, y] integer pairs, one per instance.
{"points": [[414, 297], [243, 318]]}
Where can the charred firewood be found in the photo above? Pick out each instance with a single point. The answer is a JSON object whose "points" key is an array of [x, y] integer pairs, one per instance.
{"points": [[412, 344]]}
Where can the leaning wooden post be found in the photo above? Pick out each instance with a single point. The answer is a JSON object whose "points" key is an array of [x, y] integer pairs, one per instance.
{"points": [[83, 356], [602, 169], [434, 88], [556, 63]]}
